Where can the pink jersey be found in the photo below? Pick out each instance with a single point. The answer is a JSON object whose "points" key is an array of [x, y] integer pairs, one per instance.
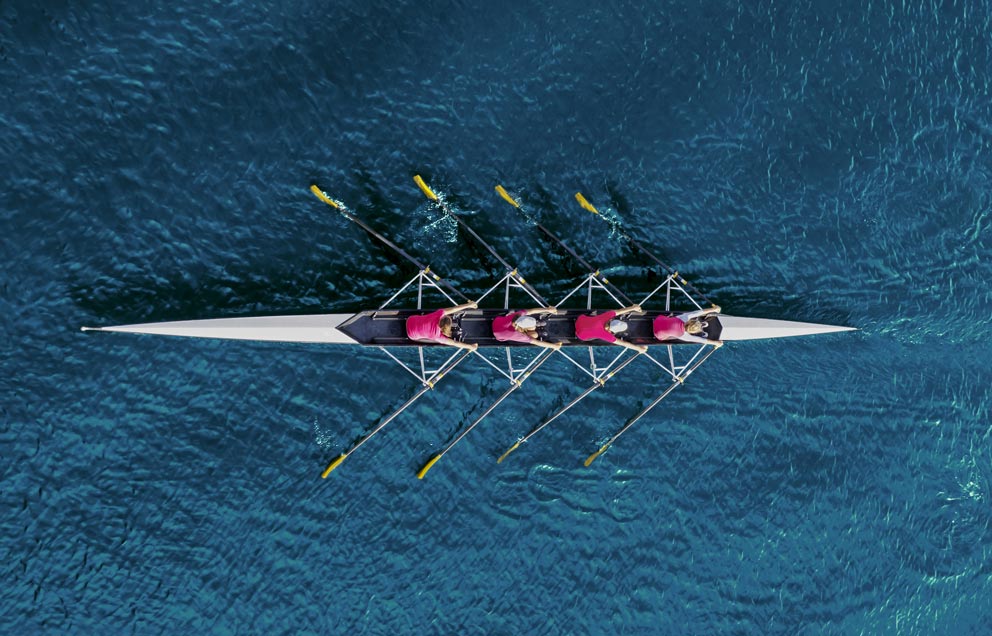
{"points": [[668, 327], [503, 328], [426, 327], [594, 327]]}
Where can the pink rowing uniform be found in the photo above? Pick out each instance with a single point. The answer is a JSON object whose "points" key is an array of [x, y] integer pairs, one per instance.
{"points": [[503, 328], [594, 327], [668, 328], [426, 327]]}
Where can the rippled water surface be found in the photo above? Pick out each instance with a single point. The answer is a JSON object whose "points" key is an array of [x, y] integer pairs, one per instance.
{"points": [[795, 160]]}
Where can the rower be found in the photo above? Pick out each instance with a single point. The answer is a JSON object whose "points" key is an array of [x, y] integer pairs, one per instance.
{"points": [[686, 327], [521, 326], [436, 327], [605, 326]]}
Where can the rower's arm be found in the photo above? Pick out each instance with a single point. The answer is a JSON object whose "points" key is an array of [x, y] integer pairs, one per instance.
{"points": [[688, 337], [462, 307], [541, 310], [629, 310], [451, 342]]}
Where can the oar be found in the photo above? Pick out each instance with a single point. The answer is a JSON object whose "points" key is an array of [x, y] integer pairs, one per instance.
{"points": [[416, 396], [595, 273], [346, 213], [599, 383], [489, 248], [634, 244], [679, 380], [516, 385]]}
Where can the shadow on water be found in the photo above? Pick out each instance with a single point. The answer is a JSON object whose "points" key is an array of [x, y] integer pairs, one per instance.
{"points": [[547, 207], [315, 286], [776, 305], [303, 286], [264, 291], [943, 537], [641, 276], [376, 205], [412, 231], [618, 200]]}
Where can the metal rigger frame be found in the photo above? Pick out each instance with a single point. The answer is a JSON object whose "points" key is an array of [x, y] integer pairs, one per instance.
{"points": [[594, 281]]}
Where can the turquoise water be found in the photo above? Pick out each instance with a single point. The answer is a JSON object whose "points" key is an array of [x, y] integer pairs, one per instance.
{"points": [[801, 161]]}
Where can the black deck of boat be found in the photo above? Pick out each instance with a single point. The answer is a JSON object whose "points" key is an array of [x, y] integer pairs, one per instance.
{"points": [[387, 328]]}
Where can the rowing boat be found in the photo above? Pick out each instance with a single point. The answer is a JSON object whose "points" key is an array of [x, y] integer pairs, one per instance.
{"points": [[385, 327]]}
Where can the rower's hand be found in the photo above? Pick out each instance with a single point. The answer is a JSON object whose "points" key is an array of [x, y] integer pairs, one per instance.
{"points": [[551, 310], [642, 349], [473, 305], [717, 343], [715, 309], [637, 309], [556, 346], [473, 346]]}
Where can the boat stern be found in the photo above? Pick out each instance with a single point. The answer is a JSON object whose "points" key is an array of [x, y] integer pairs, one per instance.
{"points": [[736, 328]]}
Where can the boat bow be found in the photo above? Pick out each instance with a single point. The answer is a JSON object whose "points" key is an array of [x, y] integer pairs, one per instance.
{"points": [[736, 328]]}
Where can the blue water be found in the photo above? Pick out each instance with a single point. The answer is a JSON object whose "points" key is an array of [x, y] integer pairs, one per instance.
{"points": [[794, 160]]}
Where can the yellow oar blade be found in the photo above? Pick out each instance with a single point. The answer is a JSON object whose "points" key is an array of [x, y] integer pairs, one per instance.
{"points": [[427, 466], [333, 465], [323, 197], [504, 455], [585, 204], [424, 188], [501, 191], [593, 457]]}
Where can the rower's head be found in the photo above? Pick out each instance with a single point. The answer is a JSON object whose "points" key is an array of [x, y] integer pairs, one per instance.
{"points": [[525, 323], [445, 325], [616, 326], [695, 327]]}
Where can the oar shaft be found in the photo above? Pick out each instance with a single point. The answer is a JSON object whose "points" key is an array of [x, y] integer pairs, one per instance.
{"points": [[593, 271], [479, 419], [516, 385], [416, 396], [671, 270], [562, 410], [643, 412], [650, 406], [637, 246], [566, 408], [571, 252], [343, 456], [602, 449], [506, 394], [346, 213], [581, 397], [465, 226]]}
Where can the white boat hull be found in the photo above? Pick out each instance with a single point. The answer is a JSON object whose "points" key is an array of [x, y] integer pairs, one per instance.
{"points": [[323, 329], [735, 328]]}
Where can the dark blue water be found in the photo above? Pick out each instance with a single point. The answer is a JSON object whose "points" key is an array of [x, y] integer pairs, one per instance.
{"points": [[795, 160]]}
